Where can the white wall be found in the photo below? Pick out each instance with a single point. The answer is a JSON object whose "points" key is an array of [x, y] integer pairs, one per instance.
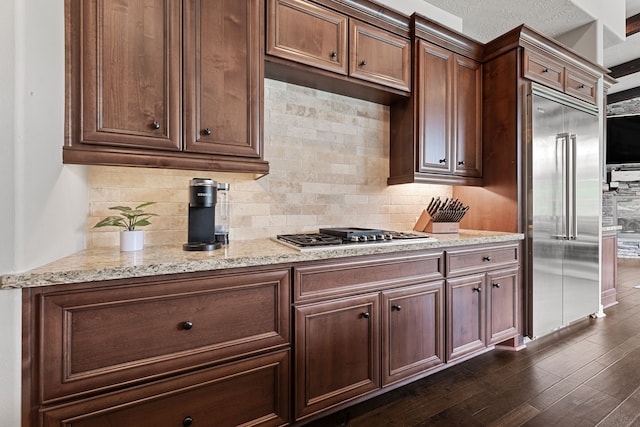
{"points": [[43, 204], [587, 40]]}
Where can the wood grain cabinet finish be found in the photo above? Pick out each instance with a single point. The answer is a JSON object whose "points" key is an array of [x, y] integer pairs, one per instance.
{"points": [[412, 331], [173, 84], [483, 298], [307, 33], [223, 80], [248, 392], [314, 35], [379, 56], [337, 352], [95, 339], [541, 67], [450, 112]]}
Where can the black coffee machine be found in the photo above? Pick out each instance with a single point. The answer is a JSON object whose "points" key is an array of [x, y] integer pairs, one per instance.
{"points": [[202, 216]]}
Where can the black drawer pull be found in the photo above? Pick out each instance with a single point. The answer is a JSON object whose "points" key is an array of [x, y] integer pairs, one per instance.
{"points": [[187, 325], [486, 258], [461, 163], [396, 307], [363, 63], [187, 421], [334, 54], [546, 70], [478, 289], [365, 315], [496, 285], [206, 131], [155, 125], [442, 161]]}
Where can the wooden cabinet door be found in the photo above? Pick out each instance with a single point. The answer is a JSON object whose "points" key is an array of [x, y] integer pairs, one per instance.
{"points": [[468, 117], [223, 77], [249, 392], [336, 352], [503, 310], [466, 326], [307, 33], [379, 57], [131, 68], [412, 330], [435, 109]]}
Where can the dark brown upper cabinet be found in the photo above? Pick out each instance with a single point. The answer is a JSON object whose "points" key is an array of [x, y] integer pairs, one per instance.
{"points": [[318, 44], [174, 84], [436, 136]]}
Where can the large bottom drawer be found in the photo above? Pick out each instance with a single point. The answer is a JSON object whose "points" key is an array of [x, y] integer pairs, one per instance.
{"points": [[249, 392]]}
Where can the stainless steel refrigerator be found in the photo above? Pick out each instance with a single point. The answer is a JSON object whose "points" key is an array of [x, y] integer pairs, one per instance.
{"points": [[563, 209]]}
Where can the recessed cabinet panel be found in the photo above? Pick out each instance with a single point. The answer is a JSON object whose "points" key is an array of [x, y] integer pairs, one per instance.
{"points": [[543, 69], [223, 80], [251, 392], [304, 32], [413, 330], [379, 57], [131, 73], [336, 352], [503, 305], [468, 161], [466, 329], [119, 335], [434, 86]]}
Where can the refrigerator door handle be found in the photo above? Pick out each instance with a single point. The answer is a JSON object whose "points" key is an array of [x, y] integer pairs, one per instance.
{"points": [[573, 220], [562, 142]]}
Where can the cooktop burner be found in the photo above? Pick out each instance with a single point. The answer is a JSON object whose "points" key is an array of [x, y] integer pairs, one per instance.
{"points": [[344, 237]]}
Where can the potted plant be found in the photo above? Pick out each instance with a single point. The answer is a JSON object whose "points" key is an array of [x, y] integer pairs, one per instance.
{"points": [[128, 219]]}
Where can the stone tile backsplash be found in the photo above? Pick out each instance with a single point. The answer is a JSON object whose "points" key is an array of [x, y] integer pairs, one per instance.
{"points": [[329, 162]]}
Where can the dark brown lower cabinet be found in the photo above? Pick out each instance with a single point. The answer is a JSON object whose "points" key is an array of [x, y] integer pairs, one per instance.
{"points": [[337, 352], [412, 331], [482, 310], [252, 392]]}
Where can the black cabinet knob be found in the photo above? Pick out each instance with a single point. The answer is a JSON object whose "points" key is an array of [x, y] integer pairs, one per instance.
{"points": [[363, 62], [396, 307], [546, 70], [442, 161], [486, 258], [478, 289], [187, 325], [334, 54], [496, 285], [155, 125], [187, 421], [206, 131], [461, 163], [365, 315]]}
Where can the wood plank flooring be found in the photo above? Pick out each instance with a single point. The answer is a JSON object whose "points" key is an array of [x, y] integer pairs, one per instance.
{"points": [[587, 374]]}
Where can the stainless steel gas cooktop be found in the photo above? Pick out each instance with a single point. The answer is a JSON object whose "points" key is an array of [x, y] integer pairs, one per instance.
{"points": [[345, 237]]}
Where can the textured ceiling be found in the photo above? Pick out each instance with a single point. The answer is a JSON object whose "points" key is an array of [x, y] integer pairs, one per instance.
{"points": [[485, 20]]}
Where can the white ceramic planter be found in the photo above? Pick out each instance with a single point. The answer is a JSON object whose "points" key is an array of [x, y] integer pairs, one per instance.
{"points": [[131, 240]]}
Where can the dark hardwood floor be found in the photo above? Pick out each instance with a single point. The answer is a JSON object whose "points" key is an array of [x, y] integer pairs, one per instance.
{"points": [[587, 374]]}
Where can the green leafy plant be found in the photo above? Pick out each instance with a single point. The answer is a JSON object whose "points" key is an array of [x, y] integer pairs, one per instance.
{"points": [[129, 218]]}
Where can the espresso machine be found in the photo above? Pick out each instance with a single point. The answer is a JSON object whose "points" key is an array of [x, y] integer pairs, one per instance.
{"points": [[202, 216]]}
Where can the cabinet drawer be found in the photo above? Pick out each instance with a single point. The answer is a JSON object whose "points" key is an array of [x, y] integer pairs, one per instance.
{"points": [[478, 260], [543, 69], [347, 277], [304, 32], [92, 339], [251, 392], [379, 57], [581, 85]]}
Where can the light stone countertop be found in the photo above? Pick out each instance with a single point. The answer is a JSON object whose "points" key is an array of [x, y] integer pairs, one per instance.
{"points": [[110, 263], [607, 228]]}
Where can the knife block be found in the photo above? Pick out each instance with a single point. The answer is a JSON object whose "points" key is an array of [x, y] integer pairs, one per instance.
{"points": [[442, 227], [425, 223]]}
